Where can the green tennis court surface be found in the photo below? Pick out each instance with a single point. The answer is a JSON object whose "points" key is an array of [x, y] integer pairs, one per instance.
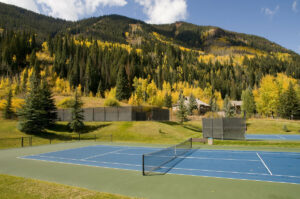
{"points": [[132, 183]]}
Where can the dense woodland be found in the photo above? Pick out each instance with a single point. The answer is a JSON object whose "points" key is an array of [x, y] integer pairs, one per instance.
{"points": [[88, 55]]}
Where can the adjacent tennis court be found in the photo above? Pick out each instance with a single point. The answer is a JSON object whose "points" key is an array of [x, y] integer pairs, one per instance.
{"points": [[249, 165], [272, 137]]}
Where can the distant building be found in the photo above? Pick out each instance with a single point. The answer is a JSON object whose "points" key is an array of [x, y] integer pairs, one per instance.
{"points": [[237, 106], [201, 106]]}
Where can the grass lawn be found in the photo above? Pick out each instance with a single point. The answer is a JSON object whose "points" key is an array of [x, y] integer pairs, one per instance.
{"points": [[18, 187], [272, 126], [146, 132]]}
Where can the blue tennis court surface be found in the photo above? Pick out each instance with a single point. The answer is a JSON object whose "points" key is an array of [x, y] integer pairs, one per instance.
{"points": [[272, 137], [249, 165]]}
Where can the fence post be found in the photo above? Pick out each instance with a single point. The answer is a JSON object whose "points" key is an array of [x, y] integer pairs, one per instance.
{"points": [[22, 142], [143, 163], [93, 114], [118, 113], [212, 127], [63, 114]]}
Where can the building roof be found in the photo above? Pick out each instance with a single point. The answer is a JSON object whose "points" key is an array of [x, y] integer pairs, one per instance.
{"points": [[236, 103], [199, 102]]}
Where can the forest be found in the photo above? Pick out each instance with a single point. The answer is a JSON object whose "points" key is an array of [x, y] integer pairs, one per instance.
{"points": [[89, 55]]}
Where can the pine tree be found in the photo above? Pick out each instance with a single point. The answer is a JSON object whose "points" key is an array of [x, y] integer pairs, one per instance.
{"points": [[288, 103], [182, 110], [213, 104], [32, 116], [100, 89], [192, 105], [8, 112], [227, 107], [48, 104], [123, 89], [248, 102], [77, 125], [168, 101]]}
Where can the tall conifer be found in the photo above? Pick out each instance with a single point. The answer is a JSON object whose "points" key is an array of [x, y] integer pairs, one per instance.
{"points": [[123, 89]]}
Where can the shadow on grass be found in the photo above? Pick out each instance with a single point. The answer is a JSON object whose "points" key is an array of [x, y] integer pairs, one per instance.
{"points": [[88, 129], [169, 123], [192, 128], [63, 128]]}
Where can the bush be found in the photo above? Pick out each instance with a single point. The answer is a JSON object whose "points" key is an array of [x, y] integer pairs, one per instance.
{"points": [[111, 102], [66, 103], [285, 129], [212, 115]]}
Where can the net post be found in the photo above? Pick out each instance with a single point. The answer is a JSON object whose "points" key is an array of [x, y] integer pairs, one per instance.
{"points": [[191, 142], [143, 163]]}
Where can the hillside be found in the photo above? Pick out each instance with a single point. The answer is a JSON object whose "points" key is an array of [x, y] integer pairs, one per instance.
{"points": [[15, 18], [113, 28], [208, 61]]}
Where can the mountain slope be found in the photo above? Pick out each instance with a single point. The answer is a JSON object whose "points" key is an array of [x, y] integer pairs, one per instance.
{"points": [[15, 18], [115, 28]]}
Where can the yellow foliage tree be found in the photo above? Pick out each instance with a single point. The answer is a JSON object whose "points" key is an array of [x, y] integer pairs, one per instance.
{"points": [[267, 98]]}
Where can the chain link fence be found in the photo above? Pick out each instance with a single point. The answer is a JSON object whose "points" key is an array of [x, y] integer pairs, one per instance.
{"points": [[34, 141], [224, 128], [108, 114]]}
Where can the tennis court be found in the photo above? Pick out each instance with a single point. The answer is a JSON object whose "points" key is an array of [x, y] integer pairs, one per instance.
{"points": [[272, 137], [247, 165]]}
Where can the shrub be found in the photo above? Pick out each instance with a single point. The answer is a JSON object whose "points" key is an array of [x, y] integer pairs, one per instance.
{"points": [[285, 129], [212, 115], [111, 102], [66, 103]]}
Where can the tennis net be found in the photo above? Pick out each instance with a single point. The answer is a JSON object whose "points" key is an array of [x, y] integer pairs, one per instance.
{"points": [[158, 161]]}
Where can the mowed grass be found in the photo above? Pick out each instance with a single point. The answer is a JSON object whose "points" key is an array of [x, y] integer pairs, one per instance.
{"points": [[20, 188], [145, 132], [272, 126], [138, 132], [88, 102]]}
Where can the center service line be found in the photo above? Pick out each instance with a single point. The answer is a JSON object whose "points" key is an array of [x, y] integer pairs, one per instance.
{"points": [[264, 163]]}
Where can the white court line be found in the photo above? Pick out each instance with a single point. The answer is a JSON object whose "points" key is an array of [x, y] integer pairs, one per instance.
{"points": [[200, 158], [283, 138], [103, 154], [138, 165], [264, 164], [81, 160]]}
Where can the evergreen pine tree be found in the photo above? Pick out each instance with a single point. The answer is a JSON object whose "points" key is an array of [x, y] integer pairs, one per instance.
{"points": [[288, 103], [32, 116], [248, 102], [192, 105], [48, 104], [213, 104], [168, 101], [182, 110], [123, 89], [227, 107], [76, 124], [8, 112], [100, 89]]}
